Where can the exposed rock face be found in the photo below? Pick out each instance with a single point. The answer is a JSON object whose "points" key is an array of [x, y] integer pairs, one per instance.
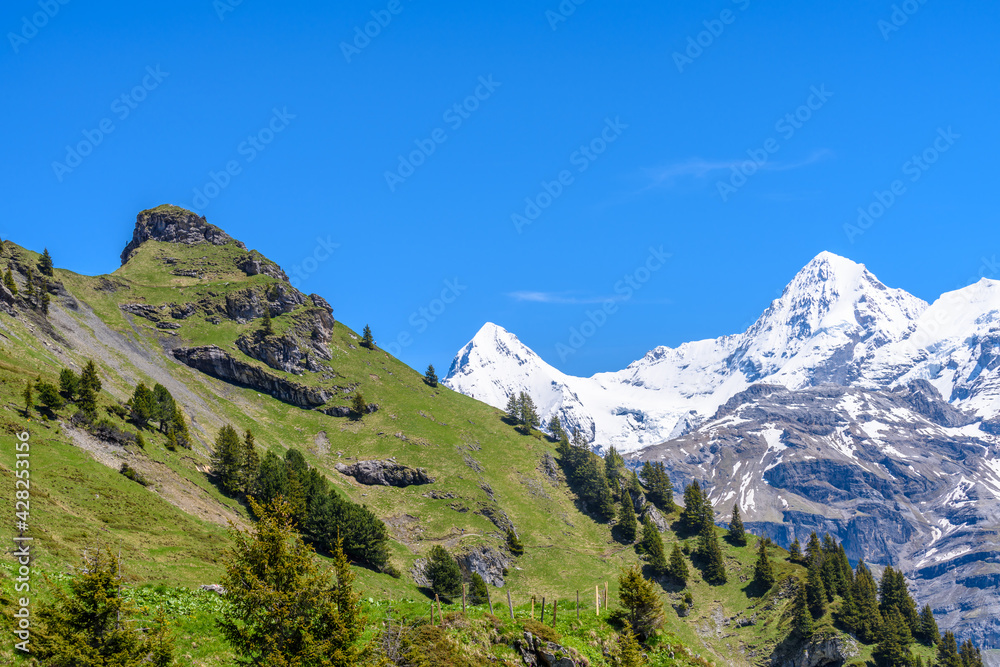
{"points": [[299, 349], [656, 517], [255, 264], [248, 304], [345, 411], [385, 473], [536, 652], [819, 652], [488, 562], [7, 300], [173, 224], [214, 588], [213, 361]]}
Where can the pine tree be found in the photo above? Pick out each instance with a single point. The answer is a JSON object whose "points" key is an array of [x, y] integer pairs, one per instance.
{"points": [[226, 459], [142, 406], [660, 491], [714, 570], [178, 426], [265, 321], [868, 622], [737, 536], [478, 592], [802, 618], [652, 546], [642, 605], [947, 653], [514, 544], [556, 429], [69, 383], [929, 633], [367, 340], [46, 300], [250, 467], [892, 649], [282, 609], [893, 593], [430, 377], [763, 573], [627, 524], [512, 411], [29, 399], [629, 650], [527, 413], [49, 396], [814, 549], [970, 654], [677, 569], [95, 624], [795, 551], [443, 572], [8, 281], [358, 406], [45, 264], [815, 590], [693, 514], [90, 378], [614, 468], [592, 485]]}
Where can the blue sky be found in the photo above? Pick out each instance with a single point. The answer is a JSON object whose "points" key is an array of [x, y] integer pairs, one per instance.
{"points": [[589, 142]]}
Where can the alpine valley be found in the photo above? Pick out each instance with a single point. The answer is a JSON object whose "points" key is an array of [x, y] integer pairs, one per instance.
{"points": [[848, 407]]}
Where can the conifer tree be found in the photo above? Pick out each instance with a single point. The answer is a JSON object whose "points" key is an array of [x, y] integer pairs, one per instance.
{"points": [[556, 429], [652, 546], [46, 300], [815, 591], [430, 377], [970, 654], [814, 549], [693, 514], [265, 321], [178, 426], [250, 464], [527, 416], [802, 619], [367, 340], [677, 569], [929, 633], [629, 650], [227, 457], [69, 382], [947, 653], [660, 491], [592, 486], [893, 593], [763, 573], [95, 624], [642, 605], [868, 622], [892, 649], [512, 412], [795, 551], [142, 406], [443, 572], [627, 524], [29, 284], [358, 406], [45, 264], [714, 569], [514, 544], [737, 536], [49, 396], [8, 281], [614, 467], [90, 378], [478, 592]]}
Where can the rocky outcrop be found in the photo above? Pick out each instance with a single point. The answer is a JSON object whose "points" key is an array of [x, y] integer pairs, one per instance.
{"points": [[656, 517], [536, 652], [489, 563], [214, 588], [248, 304], [300, 348], [173, 224], [385, 473], [214, 361], [345, 411], [254, 264], [7, 300], [145, 311], [821, 651]]}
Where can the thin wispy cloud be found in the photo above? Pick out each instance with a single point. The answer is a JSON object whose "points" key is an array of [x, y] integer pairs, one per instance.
{"points": [[699, 168], [561, 298]]}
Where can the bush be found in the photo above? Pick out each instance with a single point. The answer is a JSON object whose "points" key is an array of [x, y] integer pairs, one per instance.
{"points": [[133, 474], [117, 410], [542, 631]]}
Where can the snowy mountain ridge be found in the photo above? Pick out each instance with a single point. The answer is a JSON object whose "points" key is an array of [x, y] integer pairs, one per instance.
{"points": [[835, 323]]}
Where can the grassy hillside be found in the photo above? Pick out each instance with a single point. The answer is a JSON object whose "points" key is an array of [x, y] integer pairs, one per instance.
{"points": [[172, 533]]}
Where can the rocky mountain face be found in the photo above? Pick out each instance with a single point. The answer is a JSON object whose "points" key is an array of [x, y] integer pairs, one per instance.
{"points": [[847, 407], [174, 225]]}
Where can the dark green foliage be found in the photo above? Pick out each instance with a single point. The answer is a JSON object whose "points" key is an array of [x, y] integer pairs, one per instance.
{"points": [[49, 396], [736, 535], [802, 618], [141, 405], [614, 468], [478, 592], [8, 281], [358, 406], [45, 263], [514, 544], [893, 646], [627, 524], [652, 547], [90, 378], [970, 654], [659, 490], [585, 473], [713, 565], [443, 573], [227, 460], [250, 464], [697, 512], [947, 653], [815, 590], [94, 624], [642, 605], [866, 621], [89, 388], [929, 633], [894, 594], [430, 377], [629, 651], [521, 412], [283, 609], [367, 340], [763, 573], [69, 383], [556, 429], [133, 474], [677, 569], [795, 552], [266, 327], [814, 549], [44, 302]]}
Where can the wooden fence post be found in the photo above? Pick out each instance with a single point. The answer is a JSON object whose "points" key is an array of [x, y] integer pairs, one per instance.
{"points": [[578, 605], [605, 596], [597, 599], [555, 607], [532, 607], [489, 600], [510, 605], [543, 609], [463, 599], [440, 615]]}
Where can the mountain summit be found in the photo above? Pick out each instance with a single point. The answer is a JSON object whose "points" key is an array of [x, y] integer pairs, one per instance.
{"points": [[174, 224]]}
